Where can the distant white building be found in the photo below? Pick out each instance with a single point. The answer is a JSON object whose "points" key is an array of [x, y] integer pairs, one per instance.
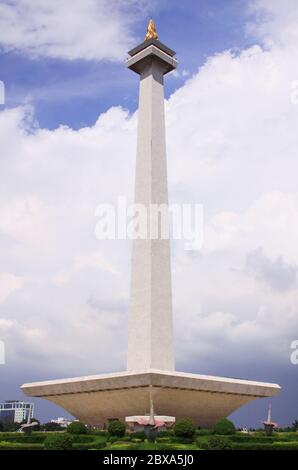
{"points": [[15, 411], [63, 422]]}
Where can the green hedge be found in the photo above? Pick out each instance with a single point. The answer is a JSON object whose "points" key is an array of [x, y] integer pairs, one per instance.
{"points": [[83, 438], [166, 433], [219, 443], [285, 446], [259, 446], [118, 445], [164, 439], [18, 446], [138, 435], [18, 437], [286, 436], [58, 442], [126, 438], [41, 437], [99, 432], [204, 432], [261, 439], [89, 445], [181, 440], [252, 439]]}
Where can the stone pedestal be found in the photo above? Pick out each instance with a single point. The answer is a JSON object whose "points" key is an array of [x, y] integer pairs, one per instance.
{"points": [[204, 399]]}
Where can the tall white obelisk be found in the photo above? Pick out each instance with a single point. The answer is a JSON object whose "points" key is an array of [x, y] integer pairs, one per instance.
{"points": [[150, 380], [150, 328]]}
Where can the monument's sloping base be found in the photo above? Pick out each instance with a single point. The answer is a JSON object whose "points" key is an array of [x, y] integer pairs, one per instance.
{"points": [[204, 399]]}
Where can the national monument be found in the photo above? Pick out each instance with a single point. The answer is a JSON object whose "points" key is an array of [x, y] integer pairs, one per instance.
{"points": [[150, 376]]}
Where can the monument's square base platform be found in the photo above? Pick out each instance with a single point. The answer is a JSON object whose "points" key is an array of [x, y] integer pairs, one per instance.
{"points": [[96, 399]]}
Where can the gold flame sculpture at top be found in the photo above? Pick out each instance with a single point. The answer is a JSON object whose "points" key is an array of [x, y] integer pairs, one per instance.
{"points": [[151, 32]]}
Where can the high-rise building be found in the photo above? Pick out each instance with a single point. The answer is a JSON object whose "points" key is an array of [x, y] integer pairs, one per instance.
{"points": [[15, 411]]}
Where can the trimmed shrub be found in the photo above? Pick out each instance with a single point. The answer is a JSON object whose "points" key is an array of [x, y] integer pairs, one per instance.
{"points": [[164, 439], [116, 428], [112, 439], [89, 445], [224, 427], [11, 427], [138, 435], [126, 438], [285, 446], [52, 427], [18, 446], [123, 446], [165, 432], [83, 438], [184, 428], [21, 438], [165, 446], [218, 443], [119, 439], [181, 440], [76, 427], [99, 432], [264, 446], [58, 442], [203, 432], [285, 436], [237, 438]]}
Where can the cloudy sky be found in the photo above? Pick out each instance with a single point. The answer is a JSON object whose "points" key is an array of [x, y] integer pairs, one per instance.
{"points": [[68, 141]]}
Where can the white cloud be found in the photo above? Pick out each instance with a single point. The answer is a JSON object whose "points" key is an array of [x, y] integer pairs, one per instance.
{"points": [[24, 220], [273, 213], [248, 266], [5, 324], [94, 261], [277, 22], [8, 284], [69, 29]]}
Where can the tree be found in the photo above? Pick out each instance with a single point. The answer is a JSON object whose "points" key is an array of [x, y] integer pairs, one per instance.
{"points": [[76, 427], [116, 428], [184, 428], [52, 427], [35, 420], [32, 428], [295, 425], [1, 426], [224, 427], [10, 427], [58, 442], [218, 443]]}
